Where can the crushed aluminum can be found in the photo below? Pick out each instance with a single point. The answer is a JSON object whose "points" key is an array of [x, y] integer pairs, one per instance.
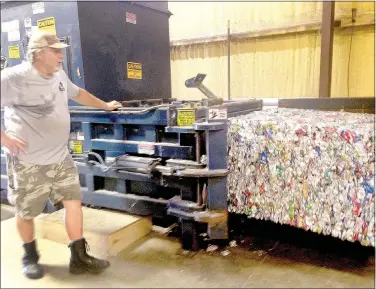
{"points": [[225, 253], [212, 248]]}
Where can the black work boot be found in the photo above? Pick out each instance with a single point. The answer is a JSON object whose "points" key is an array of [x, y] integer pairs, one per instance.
{"points": [[30, 265], [81, 262]]}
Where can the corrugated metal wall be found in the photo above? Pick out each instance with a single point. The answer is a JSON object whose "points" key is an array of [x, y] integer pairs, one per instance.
{"points": [[284, 65]]}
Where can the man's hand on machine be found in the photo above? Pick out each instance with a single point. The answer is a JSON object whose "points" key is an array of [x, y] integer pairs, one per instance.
{"points": [[12, 144], [112, 105], [87, 99]]}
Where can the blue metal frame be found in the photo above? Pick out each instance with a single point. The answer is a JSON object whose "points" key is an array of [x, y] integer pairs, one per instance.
{"points": [[185, 203]]}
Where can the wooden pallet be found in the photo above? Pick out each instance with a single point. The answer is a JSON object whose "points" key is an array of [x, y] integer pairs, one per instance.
{"points": [[107, 232]]}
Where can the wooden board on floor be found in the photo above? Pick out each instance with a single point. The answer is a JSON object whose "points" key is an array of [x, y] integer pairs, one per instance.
{"points": [[107, 232]]}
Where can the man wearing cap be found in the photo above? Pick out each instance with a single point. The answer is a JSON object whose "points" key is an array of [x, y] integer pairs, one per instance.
{"points": [[35, 96]]}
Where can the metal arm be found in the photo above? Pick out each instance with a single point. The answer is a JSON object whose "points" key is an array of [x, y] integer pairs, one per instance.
{"points": [[196, 82]]}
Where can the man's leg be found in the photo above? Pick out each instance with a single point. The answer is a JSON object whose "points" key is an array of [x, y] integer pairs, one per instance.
{"points": [[25, 228], [67, 189], [73, 219], [28, 191]]}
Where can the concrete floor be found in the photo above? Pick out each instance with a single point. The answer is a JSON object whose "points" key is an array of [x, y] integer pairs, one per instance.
{"points": [[157, 261]]}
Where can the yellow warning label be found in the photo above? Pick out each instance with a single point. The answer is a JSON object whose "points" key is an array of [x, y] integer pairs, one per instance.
{"points": [[47, 24], [134, 70], [76, 147], [186, 117], [14, 51]]}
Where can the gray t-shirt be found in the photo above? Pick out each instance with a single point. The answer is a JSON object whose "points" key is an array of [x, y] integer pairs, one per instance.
{"points": [[36, 111]]}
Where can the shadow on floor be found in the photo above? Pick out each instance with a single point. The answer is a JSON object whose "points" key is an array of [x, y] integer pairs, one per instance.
{"points": [[284, 242]]}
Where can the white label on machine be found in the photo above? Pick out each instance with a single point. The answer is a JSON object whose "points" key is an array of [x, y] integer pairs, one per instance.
{"points": [[13, 25], [27, 22], [38, 7], [14, 30], [4, 26], [222, 113], [146, 149], [216, 113], [130, 18], [14, 35], [80, 135]]}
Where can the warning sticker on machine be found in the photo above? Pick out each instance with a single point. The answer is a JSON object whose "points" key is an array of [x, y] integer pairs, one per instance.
{"points": [[216, 113], [134, 70], [14, 51], [130, 18], [146, 149], [186, 117], [47, 24], [76, 146]]}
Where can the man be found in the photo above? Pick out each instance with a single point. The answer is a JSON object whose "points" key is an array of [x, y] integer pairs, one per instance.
{"points": [[35, 96]]}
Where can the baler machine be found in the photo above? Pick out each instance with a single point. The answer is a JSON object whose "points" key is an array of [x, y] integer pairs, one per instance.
{"points": [[164, 158]]}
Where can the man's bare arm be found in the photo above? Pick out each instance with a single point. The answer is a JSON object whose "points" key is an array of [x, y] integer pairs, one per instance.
{"points": [[87, 99]]}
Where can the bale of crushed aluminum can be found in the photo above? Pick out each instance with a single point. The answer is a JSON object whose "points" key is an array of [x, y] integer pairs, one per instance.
{"points": [[309, 169]]}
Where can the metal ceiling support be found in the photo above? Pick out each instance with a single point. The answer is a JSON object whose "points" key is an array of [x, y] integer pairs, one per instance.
{"points": [[326, 49]]}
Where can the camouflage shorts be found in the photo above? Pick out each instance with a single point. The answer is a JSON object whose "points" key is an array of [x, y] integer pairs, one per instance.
{"points": [[30, 185]]}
